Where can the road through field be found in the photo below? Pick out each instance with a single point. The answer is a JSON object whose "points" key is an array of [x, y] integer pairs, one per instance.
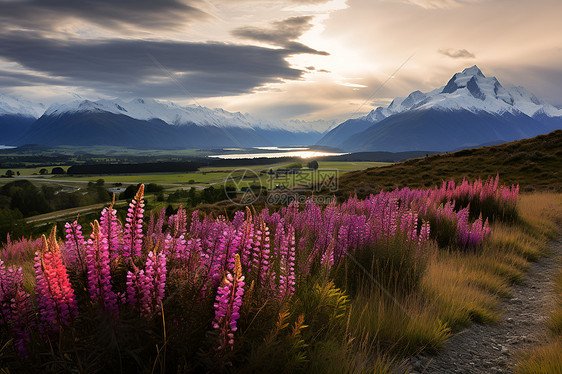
{"points": [[493, 348], [69, 212]]}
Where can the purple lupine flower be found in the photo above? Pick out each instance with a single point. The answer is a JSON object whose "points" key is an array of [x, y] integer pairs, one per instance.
{"points": [[15, 308], [154, 283], [238, 219], [287, 278], [99, 277], [175, 248], [55, 297], [327, 259], [74, 248], [146, 288], [246, 240], [227, 306], [261, 250], [132, 238], [111, 230]]}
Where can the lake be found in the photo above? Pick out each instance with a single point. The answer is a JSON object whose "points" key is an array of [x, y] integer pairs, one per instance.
{"points": [[276, 152]]}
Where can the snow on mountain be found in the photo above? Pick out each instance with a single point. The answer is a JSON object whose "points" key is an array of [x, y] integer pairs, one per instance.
{"points": [[173, 114], [469, 90], [10, 105]]}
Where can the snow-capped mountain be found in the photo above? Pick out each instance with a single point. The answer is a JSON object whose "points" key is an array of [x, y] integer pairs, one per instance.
{"points": [[471, 109], [150, 123], [11, 105], [16, 116], [174, 114]]}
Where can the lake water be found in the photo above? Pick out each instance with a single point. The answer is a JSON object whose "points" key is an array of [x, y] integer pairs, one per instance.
{"points": [[6, 146], [277, 152]]}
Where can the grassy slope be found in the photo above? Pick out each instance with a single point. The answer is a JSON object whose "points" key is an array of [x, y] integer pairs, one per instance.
{"points": [[532, 163]]}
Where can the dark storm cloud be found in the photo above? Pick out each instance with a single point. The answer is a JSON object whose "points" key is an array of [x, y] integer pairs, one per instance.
{"points": [[281, 33], [138, 67], [457, 53], [117, 15]]}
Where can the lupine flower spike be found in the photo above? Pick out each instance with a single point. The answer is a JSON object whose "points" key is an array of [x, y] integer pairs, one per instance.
{"points": [[227, 306], [132, 238], [55, 297], [99, 278]]}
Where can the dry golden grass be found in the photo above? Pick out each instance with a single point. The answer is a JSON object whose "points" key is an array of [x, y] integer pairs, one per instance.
{"points": [[465, 287], [541, 215], [546, 359], [458, 288]]}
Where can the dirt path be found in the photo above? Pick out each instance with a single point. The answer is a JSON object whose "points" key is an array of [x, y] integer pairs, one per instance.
{"points": [[492, 348]]}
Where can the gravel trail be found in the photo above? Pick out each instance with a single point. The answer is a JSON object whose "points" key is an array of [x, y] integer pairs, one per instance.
{"points": [[492, 348]]}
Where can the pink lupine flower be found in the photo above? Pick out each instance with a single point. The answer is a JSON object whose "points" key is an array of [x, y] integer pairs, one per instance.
{"points": [[227, 306], [99, 278], [111, 230], [55, 297], [154, 283], [15, 308], [246, 239], [75, 246], [146, 288], [132, 238], [261, 249], [287, 264], [328, 256]]}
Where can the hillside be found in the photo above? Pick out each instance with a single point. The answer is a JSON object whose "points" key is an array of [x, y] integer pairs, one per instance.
{"points": [[534, 163]]}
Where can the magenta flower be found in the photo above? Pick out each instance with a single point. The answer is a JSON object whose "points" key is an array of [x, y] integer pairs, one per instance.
{"points": [[261, 249], [55, 297], [227, 306], [146, 288], [287, 264], [99, 278], [132, 239], [15, 308], [74, 251], [111, 230]]}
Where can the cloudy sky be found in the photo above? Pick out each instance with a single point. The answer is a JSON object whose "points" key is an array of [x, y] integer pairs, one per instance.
{"points": [[292, 59]]}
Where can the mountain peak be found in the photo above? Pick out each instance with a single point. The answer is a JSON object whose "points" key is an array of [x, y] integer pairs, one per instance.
{"points": [[473, 71]]}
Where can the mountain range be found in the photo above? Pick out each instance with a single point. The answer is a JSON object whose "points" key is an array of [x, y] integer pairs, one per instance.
{"points": [[470, 110], [146, 123]]}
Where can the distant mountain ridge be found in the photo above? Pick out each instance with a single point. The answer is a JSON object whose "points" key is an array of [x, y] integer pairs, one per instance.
{"points": [[471, 109], [148, 123]]}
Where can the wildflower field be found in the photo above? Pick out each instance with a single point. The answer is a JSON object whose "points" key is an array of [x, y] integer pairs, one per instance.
{"points": [[350, 287]]}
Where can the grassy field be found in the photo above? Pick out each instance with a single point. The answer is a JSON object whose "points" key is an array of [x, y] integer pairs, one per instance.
{"points": [[34, 170], [205, 176]]}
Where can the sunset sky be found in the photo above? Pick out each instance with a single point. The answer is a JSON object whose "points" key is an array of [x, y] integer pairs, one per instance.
{"points": [[299, 59]]}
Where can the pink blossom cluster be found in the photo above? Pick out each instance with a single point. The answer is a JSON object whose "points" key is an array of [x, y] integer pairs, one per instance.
{"points": [[133, 233], [55, 296], [74, 253], [476, 189], [16, 250], [146, 288], [99, 277], [15, 308], [112, 231], [471, 234], [227, 305]]}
